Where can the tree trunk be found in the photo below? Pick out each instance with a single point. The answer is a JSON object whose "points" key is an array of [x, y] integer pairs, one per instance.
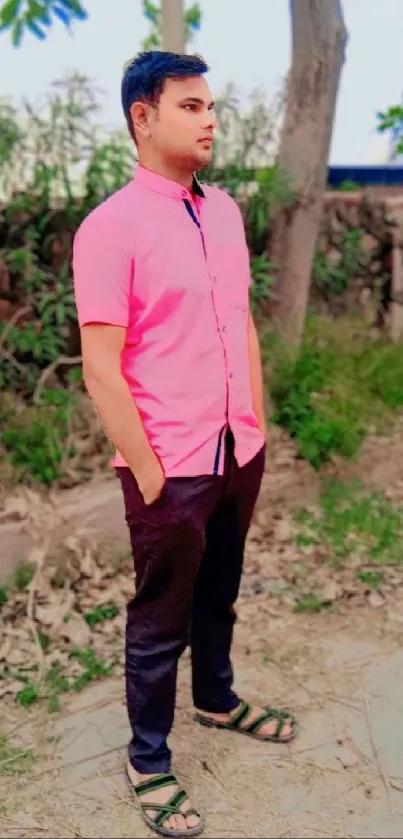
{"points": [[173, 26], [319, 38]]}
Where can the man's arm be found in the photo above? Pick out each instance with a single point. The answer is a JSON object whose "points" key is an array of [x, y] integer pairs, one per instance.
{"points": [[101, 350], [103, 271], [256, 374]]}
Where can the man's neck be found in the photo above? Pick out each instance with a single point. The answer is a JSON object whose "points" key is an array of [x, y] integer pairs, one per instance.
{"points": [[171, 173]]}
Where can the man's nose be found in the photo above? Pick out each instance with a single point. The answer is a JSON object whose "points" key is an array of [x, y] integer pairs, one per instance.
{"points": [[209, 121]]}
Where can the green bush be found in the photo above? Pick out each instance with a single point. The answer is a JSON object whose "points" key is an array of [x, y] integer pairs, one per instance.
{"points": [[342, 386], [334, 277], [36, 440]]}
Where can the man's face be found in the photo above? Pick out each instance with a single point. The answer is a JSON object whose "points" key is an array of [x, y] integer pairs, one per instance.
{"points": [[182, 127]]}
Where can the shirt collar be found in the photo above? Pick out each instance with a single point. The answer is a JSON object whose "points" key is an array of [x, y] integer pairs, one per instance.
{"points": [[164, 186]]}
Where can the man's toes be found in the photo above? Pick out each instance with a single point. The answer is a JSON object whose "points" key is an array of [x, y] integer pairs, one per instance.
{"points": [[286, 731], [181, 823], [177, 823], [192, 821]]}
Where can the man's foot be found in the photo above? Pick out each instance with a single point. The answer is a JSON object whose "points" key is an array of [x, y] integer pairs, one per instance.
{"points": [[185, 821], [262, 723]]}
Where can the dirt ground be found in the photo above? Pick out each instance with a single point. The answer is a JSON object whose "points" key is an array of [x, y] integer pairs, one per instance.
{"points": [[341, 673], [342, 777]]}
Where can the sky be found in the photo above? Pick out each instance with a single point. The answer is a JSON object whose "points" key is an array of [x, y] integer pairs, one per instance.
{"points": [[244, 43]]}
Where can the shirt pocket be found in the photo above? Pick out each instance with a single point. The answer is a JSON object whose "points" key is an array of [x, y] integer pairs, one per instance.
{"points": [[233, 276]]}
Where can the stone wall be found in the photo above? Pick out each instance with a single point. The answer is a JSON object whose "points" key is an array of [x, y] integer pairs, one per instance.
{"points": [[374, 218]]}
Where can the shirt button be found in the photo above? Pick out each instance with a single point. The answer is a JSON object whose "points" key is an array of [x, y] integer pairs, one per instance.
{"points": [[224, 329], [231, 375], [184, 193]]}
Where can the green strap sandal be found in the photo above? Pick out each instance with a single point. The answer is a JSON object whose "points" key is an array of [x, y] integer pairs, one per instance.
{"points": [[164, 811], [283, 718]]}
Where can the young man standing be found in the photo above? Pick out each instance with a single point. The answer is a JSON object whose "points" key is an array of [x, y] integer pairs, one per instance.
{"points": [[171, 360]]}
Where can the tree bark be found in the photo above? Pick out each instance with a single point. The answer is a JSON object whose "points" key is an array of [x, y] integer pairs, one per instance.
{"points": [[173, 26], [319, 38]]}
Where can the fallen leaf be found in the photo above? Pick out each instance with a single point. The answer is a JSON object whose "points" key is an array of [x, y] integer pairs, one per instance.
{"points": [[76, 631], [330, 591], [53, 614], [18, 656], [375, 599], [15, 508], [283, 530]]}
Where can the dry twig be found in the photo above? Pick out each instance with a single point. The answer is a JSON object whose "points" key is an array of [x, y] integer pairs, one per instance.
{"points": [[381, 770], [63, 359]]}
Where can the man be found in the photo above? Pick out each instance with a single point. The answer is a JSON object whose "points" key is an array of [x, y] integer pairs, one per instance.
{"points": [[171, 360]]}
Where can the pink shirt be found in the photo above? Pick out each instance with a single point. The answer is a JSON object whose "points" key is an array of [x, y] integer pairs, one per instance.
{"points": [[172, 267]]}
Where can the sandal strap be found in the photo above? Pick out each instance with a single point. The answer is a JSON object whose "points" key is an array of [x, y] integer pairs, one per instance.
{"points": [[271, 714], [171, 808], [242, 713], [166, 779], [286, 715]]}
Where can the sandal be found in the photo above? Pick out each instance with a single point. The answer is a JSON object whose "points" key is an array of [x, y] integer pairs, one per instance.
{"points": [[252, 730], [164, 811]]}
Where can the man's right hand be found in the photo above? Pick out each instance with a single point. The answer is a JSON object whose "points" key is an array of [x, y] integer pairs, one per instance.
{"points": [[151, 481]]}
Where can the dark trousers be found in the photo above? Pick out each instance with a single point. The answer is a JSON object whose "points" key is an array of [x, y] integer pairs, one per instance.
{"points": [[188, 553]]}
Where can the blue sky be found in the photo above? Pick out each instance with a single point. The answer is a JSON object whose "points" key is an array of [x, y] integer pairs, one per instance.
{"points": [[244, 42]]}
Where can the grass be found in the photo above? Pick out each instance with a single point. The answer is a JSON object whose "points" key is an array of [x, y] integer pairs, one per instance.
{"points": [[344, 385], [311, 603], [23, 575], [101, 613], [372, 579], [349, 520], [28, 694], [56, 682], [349, 523], [14, 761]]}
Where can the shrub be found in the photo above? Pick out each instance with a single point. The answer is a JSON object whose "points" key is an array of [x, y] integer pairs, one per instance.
{"points": [[343, 385]]}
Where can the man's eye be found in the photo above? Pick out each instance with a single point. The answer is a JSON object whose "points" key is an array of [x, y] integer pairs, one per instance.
{"points": [[190, 107]]}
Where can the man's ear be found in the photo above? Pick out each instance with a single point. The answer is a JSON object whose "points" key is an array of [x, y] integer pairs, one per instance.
{"points": [[140, 113]]}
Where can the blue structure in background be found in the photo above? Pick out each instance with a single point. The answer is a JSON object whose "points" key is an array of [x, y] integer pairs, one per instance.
{"points": [[365, 175]]}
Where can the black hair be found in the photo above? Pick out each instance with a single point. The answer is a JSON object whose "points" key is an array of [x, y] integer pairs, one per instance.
{"points": [[144, 77]]}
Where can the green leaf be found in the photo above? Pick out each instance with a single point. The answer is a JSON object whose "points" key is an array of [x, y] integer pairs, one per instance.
{"points": [[151, 12], [17, 33], [75, 7], [37, 11], [9, 13], [193, 16]]}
